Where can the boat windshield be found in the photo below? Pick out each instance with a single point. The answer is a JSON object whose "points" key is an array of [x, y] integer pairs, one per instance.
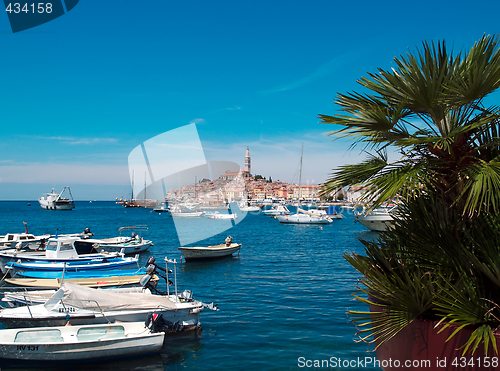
{"points": [[52, 246]]}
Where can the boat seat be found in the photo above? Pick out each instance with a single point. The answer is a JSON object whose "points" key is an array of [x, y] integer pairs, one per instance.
{"points": [[100, 333], [38, 336]]}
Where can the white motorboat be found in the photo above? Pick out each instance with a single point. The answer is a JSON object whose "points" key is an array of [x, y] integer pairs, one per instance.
{"points": [[277, 210], [217, 215], [84, 342], [248, 208], [126, 245], [305, 217], [178, 211], [86, 305], [210, 252], [378, 220], [55, 201]]}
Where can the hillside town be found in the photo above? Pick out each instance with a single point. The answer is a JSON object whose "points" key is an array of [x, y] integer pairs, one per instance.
{"points": [[235, 186]]}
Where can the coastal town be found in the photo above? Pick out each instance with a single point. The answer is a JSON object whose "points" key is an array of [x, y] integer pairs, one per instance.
{"points": [[235, 186]]}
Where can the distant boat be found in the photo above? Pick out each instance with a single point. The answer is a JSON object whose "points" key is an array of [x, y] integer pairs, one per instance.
{"points": [[304, 216], [84, 342], [217, 215], [277, 210], [55, 201]]}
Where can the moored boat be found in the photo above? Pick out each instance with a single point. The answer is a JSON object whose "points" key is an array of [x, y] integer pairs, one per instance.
{"points": [[210, 252], [217, 215], [56, 201], [83, 342]]}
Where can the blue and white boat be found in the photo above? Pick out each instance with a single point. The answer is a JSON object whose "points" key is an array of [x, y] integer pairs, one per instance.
{"points": [[82, 274], [72, 266], [58, 250]]}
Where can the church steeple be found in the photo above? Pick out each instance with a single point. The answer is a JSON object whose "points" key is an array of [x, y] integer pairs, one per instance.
{"points": [[247, 161]]}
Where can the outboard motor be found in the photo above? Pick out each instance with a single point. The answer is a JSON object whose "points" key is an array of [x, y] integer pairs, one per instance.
{"points": [[87, 233], [156, 323]]}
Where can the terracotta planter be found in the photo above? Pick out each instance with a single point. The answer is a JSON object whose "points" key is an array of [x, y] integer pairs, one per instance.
{"points": [[419, 347]]}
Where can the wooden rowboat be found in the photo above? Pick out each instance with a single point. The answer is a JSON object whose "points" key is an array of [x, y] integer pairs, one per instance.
{"points": [[209, 252]]}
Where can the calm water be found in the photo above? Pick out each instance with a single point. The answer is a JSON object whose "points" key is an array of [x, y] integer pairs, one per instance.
{"points": [[284, 297]]}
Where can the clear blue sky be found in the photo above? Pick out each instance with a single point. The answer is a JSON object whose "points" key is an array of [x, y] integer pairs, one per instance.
{"points": [[80, 92]]}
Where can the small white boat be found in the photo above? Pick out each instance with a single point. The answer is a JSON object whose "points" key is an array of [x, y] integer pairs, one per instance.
{"points": [[84, 342], [217, 215], [23, 240], [209, 252], [55, 201], [277, 210], [378, 220], [178, 211]]}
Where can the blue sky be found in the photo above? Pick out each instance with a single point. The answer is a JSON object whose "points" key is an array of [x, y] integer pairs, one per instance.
{"points": [[81, 92]]}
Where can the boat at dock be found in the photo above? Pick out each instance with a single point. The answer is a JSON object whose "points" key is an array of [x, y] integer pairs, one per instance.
{"points": [[56, 201], [58, 250], [210, 252], [134, 244], [83, 305], [79, 342]]}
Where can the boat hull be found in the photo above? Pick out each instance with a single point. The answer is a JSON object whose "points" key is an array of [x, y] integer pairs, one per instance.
{"points": [[375, 222], [302, 219], [210, 252], [81, 343]]}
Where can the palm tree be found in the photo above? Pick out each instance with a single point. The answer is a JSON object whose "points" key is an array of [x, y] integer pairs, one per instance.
{"points": [[431, 108], [442, 259]]}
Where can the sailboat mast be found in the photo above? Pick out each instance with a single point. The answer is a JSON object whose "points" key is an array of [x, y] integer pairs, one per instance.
{"points": [[132, 195], [300, 176], [144, 189]]}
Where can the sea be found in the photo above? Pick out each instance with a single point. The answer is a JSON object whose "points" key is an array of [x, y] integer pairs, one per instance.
{"points": [[284, 299]]}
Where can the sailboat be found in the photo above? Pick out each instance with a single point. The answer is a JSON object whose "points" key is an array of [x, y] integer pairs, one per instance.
{"points": [[303, 216]]}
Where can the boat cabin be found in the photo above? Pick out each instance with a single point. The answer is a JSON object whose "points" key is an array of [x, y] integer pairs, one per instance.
{"points": [[64, 248]]}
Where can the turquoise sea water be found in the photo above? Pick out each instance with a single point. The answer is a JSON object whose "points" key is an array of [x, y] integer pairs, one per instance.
{"points": [[283, 300]]}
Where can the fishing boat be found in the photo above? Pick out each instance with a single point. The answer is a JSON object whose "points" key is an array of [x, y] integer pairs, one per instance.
{"points": [[210, 252], [56, 201], [217, 215], [79, 342], [126, 245], [178, 211], [378, 220], [23, 240]]}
